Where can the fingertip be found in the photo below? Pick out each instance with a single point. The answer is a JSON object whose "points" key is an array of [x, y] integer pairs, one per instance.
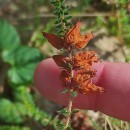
{"points": [[47, 81]]}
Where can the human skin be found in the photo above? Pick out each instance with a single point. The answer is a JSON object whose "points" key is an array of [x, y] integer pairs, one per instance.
{"points": [[113, 77]]}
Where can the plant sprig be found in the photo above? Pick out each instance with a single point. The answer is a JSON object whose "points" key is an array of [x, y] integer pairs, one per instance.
{"points": [[61, 11]]}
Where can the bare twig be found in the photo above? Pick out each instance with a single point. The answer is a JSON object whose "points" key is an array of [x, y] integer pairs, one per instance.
{"points": [[122, 42], [73, 15], [107, 121]]}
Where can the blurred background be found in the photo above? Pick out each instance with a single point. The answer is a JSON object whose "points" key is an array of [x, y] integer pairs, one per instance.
{"points": [[22, 47]]}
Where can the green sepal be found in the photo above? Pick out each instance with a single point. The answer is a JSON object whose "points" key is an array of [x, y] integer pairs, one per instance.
{"points": [[63, 112], [64, 90], [74, 93]]}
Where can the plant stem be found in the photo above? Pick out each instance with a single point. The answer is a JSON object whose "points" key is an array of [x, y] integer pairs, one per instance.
{"points": [[70, 98], [69, 112]]}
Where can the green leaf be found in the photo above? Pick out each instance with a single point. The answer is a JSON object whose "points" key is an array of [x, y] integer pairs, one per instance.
{"points": [[63, 6], [60, 30], [23, 61], [74, 94], [56, 12], [68, 17], [22, 56], [11, 112], [60, 126], [58, 21], [66, 13], [9, 37], [69, 128], [65, 90], [63, 112], [53, 2], [22, 75], [59, 26], [31, 109], [8, 56]]}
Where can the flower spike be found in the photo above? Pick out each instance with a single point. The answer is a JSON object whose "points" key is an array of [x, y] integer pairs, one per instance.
{"points": [[77, 69]]}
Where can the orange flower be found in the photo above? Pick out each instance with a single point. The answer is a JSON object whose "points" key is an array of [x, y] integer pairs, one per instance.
{"points": [[89, 88], [90, 73], [81, 82], [65, 78], [61, 61], [82, 76], [75, 39], [84, 60]]}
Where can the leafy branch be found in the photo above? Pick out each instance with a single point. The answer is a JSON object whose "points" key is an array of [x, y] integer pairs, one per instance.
{"points": [[61, 11]]}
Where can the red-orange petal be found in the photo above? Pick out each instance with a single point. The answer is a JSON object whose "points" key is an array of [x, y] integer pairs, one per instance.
{"points": [[74, 30], [55, 41], [88, 37], [61, 60], [83, 41], [65, 78], [84, 60], [90, 88], [73, 35]]}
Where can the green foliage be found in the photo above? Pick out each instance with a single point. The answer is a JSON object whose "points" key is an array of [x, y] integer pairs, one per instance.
{"points": [[65, 90], [27, 55], [124, 21], [118, 24], [9, 37], [24, 105], [11, 112], [86, 2], [22, 59], [13, 128], [74, 93], [69, 128], [24, 62], [31, 109], [60, 126], [63, 19], [63, 112]]}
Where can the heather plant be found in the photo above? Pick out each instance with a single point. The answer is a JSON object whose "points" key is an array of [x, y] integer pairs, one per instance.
{"points": [[76, 70]]}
